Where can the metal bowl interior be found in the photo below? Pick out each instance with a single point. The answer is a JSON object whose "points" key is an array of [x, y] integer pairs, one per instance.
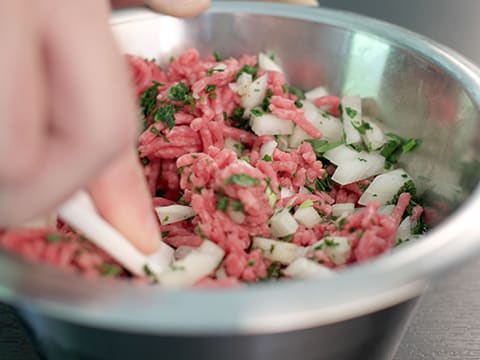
{"points": [[418, 88]]}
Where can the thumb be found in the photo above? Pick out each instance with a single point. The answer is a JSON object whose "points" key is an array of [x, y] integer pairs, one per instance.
{"points": [[180, 8]]}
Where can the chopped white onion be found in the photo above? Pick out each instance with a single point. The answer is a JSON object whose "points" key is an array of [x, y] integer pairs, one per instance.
{"points": [[199, 263], [234, 145], [268, 148], [221, 273], [268, 124], [256, 93], [282, 142], [404, 231], [174, 213], [384, 187], [182, 251], [303, 268], [307, 217], [316, 93], [280, 251], [268, 64], [160, 260], [374, 137], [242, 84], [283, 224], [330, 127], [298, 137], [341, 154], [343, 209], [337, 248], [286, 193], [352, 114], [363, 167]]}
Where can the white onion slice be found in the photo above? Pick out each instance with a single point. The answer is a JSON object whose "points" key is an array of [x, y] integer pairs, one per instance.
{"points": [[283, 224], [303, 268], [316, 93], [268, 148], [352, 114], [268, 64], [234, 145], [256, 93], [341, 154], [374, 137], [280, 251], [363, 167], [343, 209], [174, 213], [337, 248], [307, 217], [242, 84], [199, 263], [268, 124], [404, 231], [286, 192], [384, 187], [386, 209]]}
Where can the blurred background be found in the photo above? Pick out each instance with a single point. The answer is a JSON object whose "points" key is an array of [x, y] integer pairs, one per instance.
{"points": [[447, 323]]}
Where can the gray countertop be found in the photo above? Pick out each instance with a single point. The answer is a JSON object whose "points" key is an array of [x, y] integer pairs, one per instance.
{"points": [[447, 322]]}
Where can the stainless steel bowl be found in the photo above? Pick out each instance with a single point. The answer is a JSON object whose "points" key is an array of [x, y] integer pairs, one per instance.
{"points": [[417, 87]]}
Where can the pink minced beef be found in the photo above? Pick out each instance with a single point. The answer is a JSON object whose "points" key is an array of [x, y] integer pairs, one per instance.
{"points": [[185, 162]]}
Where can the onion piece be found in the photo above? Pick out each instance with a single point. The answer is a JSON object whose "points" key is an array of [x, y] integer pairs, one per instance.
{"points": [[199, 263], [307, 217], [363, 167], [286, 193], [330, 127], [337, 248], [268, 148], [174, 213], [341, 154], [384, 187], [283, 224], [404, 231], [343, 209], [255, 93], [316, 93], [352, 114], [386, 209], [268, 124], [303, 268], [265, 63], [280, 251], [242, 84], [374, 138], [234, 145]]}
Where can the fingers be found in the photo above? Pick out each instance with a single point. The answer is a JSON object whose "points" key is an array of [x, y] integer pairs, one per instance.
{"points": [[121, 196], [21, 101], [180, 8], [92, 115]]}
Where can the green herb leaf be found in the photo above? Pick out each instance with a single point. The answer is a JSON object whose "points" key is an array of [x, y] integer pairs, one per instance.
{"points": [[326, 184], [237, 205], [109, 269], [212, 70], [145, 161], [148, 100], [298, 104], [54, 238], [210, 88], [297, 92], [321, 146], [331, 243], [166, 115], [251, 262], [159, 134], [243, 180], [287, 238], [178, 92], [222, 203], [165, 234], [361, 127], [411, 145], [306, 204], [273, 271], [257, 112], [267, 157], [150, 274], [252, 70], [351, 112], [265, 104], [217, 56], [201, 233]]}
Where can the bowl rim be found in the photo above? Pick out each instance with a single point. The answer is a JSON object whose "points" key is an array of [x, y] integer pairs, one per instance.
{"points": [[384, 282]]}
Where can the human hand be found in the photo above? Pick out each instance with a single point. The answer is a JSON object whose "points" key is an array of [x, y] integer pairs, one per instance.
{"points": [[67, 117]]}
